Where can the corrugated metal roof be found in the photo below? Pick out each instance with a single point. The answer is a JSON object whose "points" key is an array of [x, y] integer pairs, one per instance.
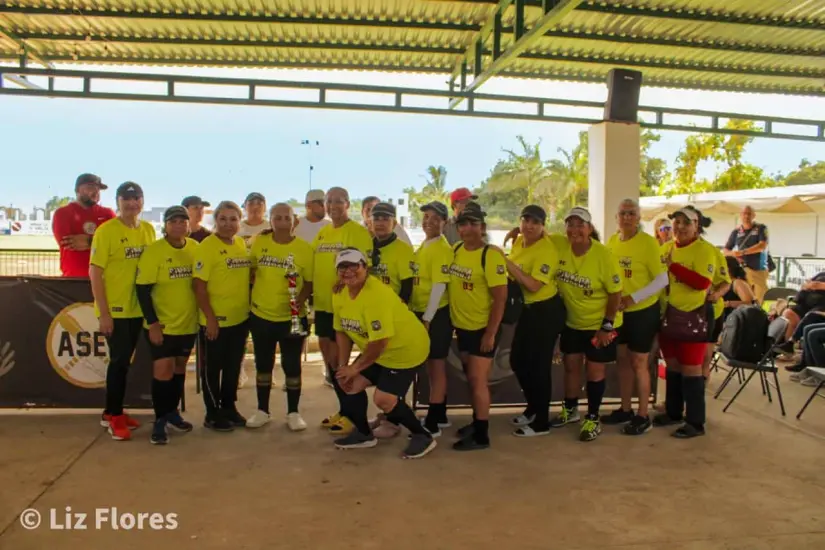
{"points": [[749, 45]]}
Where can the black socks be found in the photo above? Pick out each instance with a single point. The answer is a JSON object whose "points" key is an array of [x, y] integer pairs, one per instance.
{"points": [[481, 429], [403, 415], [164, 397], [674, 398], [180, 386], [595, 394], [693, 388], [354, 407], [571, 403]]}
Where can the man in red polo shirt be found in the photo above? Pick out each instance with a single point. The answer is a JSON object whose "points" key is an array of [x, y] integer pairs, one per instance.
{"points": [[74, 225]]}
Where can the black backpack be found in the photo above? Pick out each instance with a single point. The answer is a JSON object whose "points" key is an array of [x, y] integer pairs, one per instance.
{"points": [[745, 334], [515, 297]]}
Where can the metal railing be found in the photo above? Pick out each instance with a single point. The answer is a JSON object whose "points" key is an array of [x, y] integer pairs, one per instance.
{"points": [[792, 271]]}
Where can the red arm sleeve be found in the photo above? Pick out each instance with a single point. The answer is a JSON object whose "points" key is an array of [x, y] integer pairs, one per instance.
{"points": [[61, 225], [689, 277]]}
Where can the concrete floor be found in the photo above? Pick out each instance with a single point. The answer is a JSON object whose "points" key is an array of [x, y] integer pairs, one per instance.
{"points": [[754, 482]]}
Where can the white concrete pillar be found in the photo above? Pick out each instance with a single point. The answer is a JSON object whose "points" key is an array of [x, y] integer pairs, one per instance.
{"points": [[614, 171]]}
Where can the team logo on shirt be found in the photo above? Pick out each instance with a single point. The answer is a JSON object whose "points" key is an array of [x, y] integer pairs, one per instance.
{"points": [[376, 325], [89, 228], [500, 270], [710, 268], [273, 261], [445, 269], [545, 269], [330, 247], [198, 266], [238, 263], [615, 279], [354, 326], [382, 272], [414, 268], [133, 252], [574, 279], [723, 270], [181, 272], [461, 272]]}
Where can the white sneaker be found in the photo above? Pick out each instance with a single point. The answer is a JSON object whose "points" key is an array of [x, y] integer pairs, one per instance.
{"points": [[242, 379], [295, 422], [522, 420], [811, 382], [260, 418]]}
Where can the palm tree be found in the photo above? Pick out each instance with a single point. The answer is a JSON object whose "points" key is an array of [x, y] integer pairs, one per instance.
{"points": [[433, 190]]}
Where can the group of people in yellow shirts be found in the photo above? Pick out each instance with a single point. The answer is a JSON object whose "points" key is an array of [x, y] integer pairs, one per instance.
{"points": [[402, 308]]}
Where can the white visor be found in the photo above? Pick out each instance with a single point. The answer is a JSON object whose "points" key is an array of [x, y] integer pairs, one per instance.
{"points": [[579, 212], [689, 213], [349, 256]]}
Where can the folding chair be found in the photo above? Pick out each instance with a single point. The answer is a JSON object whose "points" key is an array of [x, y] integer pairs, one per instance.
{"points": [[766, 365], [819, 374]]}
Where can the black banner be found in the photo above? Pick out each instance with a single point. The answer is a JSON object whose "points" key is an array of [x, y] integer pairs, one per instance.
{"points": [[51, 352], [504, 387]]}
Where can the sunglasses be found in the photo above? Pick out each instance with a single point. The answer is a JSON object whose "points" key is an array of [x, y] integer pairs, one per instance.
{"points": [[665, 228]]}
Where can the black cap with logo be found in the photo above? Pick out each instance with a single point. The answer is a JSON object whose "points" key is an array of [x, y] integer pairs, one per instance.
{"points": [[472, 212], [534, 211], [194, 200], [89, 179], [175, 212], [383, 209], [130, 190], [437, 207]]}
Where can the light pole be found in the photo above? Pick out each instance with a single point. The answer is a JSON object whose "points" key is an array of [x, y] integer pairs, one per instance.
{"points": [[310, 143]]}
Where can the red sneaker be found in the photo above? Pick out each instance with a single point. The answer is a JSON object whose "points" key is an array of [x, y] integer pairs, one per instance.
{"points": [[131, 423], [118, 428]]}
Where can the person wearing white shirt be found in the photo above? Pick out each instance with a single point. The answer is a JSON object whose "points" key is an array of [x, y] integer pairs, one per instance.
{"points": [[255, 221], [366, 214], [315, 217]]}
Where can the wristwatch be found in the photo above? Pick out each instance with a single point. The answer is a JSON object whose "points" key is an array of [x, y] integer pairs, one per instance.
{"points": [[607, 325]]}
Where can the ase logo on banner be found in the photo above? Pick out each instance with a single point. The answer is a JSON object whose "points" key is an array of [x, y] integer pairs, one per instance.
{"points": [[77, 349]]}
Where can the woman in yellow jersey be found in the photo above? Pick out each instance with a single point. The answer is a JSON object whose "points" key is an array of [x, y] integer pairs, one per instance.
{"points": [[330, 240], [164, 290], [532, 264], [477, 293], [715, 305], [275, 255], [431, 273], [116, 249], [222, 291], [644, 277], [393, 346], [590, 283], [683, 339]]}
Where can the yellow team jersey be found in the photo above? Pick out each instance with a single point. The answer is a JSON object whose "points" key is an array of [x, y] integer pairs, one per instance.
{"points": [[585, 282], [270, 292], [395, 263], [225, 270], [169, 269], [720, 277], [469, 286], [640, 261], [431, 266], [539, 260], [327, 243], [698, 256], [116, 249], [378, 313]]}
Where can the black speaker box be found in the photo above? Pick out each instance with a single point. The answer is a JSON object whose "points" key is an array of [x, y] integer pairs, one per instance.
{"points": [[622, 95]]}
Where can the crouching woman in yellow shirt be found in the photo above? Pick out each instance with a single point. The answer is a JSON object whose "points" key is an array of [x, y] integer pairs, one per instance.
{"points": [[164, 290], [222, 291], [393, 344]]}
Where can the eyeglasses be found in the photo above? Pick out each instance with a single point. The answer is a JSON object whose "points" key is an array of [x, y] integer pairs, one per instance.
{"points": [[347, 266], [665, 228]]}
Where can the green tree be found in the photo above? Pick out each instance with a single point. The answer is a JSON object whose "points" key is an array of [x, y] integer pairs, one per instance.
{"points": [[653, 170], [434, 189], [56, 202], [806, 174]]}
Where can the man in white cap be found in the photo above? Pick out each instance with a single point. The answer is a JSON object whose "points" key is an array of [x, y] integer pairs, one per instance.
{"points": [[315, 217]]}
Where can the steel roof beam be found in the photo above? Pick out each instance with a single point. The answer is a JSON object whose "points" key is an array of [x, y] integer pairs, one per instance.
{"points": [[28, 51]]}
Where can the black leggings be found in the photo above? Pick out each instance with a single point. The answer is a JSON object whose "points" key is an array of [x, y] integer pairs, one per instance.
{"points": [[265, 336], [122, 344], [224, 357], [531, 355]]}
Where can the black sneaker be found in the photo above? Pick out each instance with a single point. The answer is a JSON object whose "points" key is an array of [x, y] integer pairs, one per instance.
{"points": [[786, 347], [469, 443], [159, 436], [618, 416], [419, 445], [664, 419], [638, 425], [218, 423], [465, 431], [356, 440], [688, 431], [591, 428], [175, 420], [799, 367], [234, 417]]}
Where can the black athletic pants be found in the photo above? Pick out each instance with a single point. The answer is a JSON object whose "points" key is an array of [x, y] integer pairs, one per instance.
{"points": [[266, 335], [224, 356], [122, 344]]}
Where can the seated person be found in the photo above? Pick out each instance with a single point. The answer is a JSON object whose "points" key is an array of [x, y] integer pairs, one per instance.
{"points": [[810, 298]]}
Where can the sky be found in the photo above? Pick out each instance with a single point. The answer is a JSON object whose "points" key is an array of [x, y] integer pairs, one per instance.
{"points": [[225, 152]]}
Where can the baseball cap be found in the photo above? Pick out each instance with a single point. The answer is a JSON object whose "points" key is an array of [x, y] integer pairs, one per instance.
{"points": [[92, 179], [437, 207], [579, 212], [130, 190], [460, 194], [665, 225], [315, 195], [194, 200], [689, 213], [534, 211], [472, 212], [175, 212], [254, 197], [350, 256], [383, 209]]}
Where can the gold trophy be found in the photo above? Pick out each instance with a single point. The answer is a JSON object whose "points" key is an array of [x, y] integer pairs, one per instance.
{"points": [[297, 328]]}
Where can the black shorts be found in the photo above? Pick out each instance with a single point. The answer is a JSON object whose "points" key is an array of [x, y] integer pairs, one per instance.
{"points": [[392, 381], [469, 341], [574, 341], [441, 333], [174, 345], [640, 328], [324, 327]]}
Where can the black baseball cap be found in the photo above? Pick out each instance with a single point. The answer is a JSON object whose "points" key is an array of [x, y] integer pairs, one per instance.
{"points": [[534, 211], [254, 197], [86, 179], [194, 200], [472, 212], [438, 207], [383, 209], [130, 190], [175, 212]]}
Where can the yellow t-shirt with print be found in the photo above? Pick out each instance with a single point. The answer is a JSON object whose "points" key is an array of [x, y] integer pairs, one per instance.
{"points": [[394, 263], [377, 313], [640, 261], [469, 286], [116, 249], [539, 260], [225, 270], [720, 277], [698, 256], [431, 266], [270, 292], [585, 282], [327, 243], [169, 269]]}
